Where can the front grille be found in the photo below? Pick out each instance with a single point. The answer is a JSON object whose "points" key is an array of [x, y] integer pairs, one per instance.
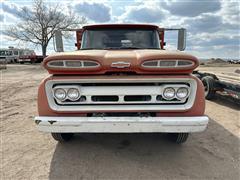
{"points": [[121, 95]]}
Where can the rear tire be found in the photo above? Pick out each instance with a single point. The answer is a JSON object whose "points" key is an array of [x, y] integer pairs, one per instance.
{"points": [[209, 87], [179, 137], [62, 137]]}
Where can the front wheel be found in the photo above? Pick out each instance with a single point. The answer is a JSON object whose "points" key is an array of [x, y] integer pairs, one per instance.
{"points": [[179, 137], [62, 137]]}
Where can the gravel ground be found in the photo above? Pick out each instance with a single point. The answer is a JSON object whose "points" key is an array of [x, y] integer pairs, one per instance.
{"points": [[29, 154]]}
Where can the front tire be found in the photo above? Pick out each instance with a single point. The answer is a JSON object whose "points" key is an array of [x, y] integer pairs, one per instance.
{"points": [[62, 137], [179, 138]]}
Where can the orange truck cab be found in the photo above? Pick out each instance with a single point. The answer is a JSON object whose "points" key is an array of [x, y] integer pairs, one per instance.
{"points": [[121, 79]]}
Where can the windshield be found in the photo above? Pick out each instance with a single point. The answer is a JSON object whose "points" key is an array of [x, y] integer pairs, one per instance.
{"points": [[120, 39]]}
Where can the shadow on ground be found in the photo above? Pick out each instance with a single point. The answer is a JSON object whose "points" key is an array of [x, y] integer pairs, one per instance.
{"points": [[208, 155], [227, 101]]}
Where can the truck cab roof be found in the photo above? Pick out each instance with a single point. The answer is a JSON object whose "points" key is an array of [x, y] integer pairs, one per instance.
{"points": [[103, 26]]}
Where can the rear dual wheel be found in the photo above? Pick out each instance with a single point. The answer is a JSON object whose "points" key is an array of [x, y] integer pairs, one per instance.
{"points": [[209, 87], [62, 137]]}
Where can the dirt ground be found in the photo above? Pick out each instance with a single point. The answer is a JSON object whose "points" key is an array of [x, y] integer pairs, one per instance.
{"points": [[29, 154]]}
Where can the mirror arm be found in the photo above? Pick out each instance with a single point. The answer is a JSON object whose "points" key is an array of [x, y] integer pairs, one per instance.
{"points": [[79, 38], [161, 37], [162, 40]]}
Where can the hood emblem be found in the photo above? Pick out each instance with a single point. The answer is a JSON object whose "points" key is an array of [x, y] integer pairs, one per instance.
{"points": [[120, 64]]}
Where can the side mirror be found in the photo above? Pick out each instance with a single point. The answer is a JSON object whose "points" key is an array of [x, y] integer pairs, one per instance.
{"points": [[58, 41], [181, 39]]}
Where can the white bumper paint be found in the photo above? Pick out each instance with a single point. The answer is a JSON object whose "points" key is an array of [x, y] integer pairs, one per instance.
{"points": [[121, 124]]}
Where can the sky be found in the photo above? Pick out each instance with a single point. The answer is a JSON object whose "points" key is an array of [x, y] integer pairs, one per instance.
{"points": [[213, 26]]}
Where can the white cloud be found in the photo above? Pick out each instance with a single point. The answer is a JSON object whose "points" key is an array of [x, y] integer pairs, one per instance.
{"points": [[97, 12], [204, 23], [10, 8], [191, 8], [1, 17], [143, 14], [230, 12]]}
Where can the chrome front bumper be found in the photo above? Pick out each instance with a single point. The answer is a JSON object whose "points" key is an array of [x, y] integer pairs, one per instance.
{"points": [[121, 124]]}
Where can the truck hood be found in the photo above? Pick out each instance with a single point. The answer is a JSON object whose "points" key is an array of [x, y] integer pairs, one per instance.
{"points": [[121, 61]]}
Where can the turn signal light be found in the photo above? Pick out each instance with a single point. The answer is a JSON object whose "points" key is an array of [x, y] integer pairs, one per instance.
{"points": [[73, 64], [162, 63]]}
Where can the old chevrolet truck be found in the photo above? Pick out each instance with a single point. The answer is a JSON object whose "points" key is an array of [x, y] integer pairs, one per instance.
{"points": [[121, 79]]}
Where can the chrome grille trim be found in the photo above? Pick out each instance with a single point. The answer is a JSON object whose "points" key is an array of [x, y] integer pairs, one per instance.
{"points": [[121, 92], [116, 106]]}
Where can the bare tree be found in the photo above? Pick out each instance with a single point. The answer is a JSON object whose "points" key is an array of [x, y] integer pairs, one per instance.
{"points": [[38, 24]]}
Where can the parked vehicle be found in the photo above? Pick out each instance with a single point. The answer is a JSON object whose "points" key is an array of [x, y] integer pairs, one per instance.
{"points": [[16, 55], [225, 85], [234, 61], [3, 64], [7, 55], [29, 56], [26, 56], [121, 80]]}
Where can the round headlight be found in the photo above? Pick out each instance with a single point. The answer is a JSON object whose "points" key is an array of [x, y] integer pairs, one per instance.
{"points": [[73, 94], [168, 93], [60, 94], [182, 92]]}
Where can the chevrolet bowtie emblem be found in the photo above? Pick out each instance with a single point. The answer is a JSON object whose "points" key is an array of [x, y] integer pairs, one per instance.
{"points": [[120, 64]]}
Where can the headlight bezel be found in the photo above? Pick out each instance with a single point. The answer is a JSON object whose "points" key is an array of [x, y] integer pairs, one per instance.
{"points": [[175, 88], [73, 99], [177, 93], [168, 88], [66, 88], [55, 96]]}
